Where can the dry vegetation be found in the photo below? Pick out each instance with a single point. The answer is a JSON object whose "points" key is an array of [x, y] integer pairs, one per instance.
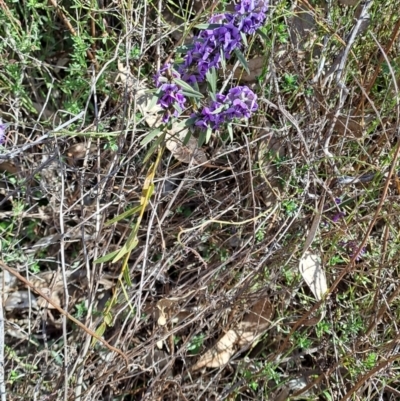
{"points": [[210, 303]]}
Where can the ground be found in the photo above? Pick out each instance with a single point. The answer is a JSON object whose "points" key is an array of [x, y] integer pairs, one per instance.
{"points": [[256, 262]]}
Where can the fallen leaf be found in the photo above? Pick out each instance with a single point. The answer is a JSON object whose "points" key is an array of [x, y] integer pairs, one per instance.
{"points": [[220, 354], [20, 300], [255, 322], [149, 110], [77, 152], [185, 153], [165, 309], [244, 334], [313, 274], [9, 167]]}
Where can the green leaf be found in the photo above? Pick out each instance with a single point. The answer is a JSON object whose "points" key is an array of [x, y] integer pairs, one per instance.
{"points": [[187, 89], [192, 94], [150, 136], [211, 77], [244, 38], [219, 109], [208, 26], [202, 138], [108, 319], [154, 99], [187, 137], [153, 148], [190, 122], [230, 130], [222, 60], [99, 331], [261, 32], [208, 135], [242, 60], [127, 277], [130, 244], [107, 258], [123, 215]]}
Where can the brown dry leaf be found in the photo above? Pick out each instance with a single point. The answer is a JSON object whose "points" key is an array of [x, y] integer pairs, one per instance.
{"points": [[185, 153], [78, 152], [220, 354], [255, 65], [20, 300], [165, 307], [311, 269], [351, 125], [9, 167], [255, 322], [51, 284], [124, 75], [252, 326]]}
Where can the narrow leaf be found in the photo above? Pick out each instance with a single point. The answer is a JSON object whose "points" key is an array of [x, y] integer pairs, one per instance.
{"points": [[108, 319], [99, 331], [153, 147], [154, 99], [187, 137], [208, 26], [230, 130], [123, 215], [242, 60], [243, 35], [202, 138], [186, 87], [150, 136], [106, 258], [208, 135], [211, 77], [127, 278], [192, 94]]}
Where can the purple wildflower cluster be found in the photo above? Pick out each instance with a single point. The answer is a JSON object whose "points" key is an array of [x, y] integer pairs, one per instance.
{"points": [[351, 247], [3, 127], [340, 213], [210, 49], [171, 94], [250, 15], [240, 102], [222, 40]]}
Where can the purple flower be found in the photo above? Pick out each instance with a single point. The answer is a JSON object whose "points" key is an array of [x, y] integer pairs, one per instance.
{"points": [[337, 216], [3, 127], [240, 102], [351, 248], [160, 77], [250, 15], [171, 98], [208, 48], [249, 6]]}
